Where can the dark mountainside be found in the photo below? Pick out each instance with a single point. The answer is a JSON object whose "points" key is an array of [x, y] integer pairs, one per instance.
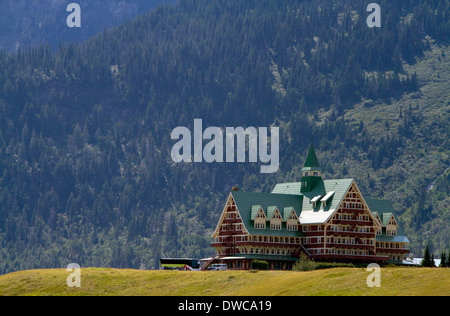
{"points": [[25, 23], [86, 174]]}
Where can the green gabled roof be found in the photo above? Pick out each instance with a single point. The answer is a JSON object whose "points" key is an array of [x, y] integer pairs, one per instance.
{"points": [[287, 212], [311, 160], [385, 210], [317, 214], [255, 210], [270, 211], [375, 214], [288, 188], [246, 201], [386, 217], [321, 214]]}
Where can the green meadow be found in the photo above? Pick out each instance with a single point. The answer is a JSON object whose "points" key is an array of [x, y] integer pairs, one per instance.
{"points": [[334, 282]]}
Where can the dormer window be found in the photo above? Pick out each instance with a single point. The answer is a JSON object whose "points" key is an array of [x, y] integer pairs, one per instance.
{"points": [[391, 227], [292, 222], [260, 220], [275, 222], [325, 199], [314, 200]]}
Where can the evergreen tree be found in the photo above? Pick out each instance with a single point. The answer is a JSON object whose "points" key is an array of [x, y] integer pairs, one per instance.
{"points": [[426, 262], [443, 260]]}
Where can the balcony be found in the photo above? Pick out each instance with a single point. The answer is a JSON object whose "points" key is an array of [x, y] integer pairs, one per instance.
{"points": [[350, 246], [223, 244], [231, 220], [350, 234], [352, 222], [350, 257], [353, 210], [319, 233], [267, 244], [392, 250]]}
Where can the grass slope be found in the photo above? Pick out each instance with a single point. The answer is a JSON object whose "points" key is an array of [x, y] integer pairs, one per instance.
{"points": [[338, 281]]}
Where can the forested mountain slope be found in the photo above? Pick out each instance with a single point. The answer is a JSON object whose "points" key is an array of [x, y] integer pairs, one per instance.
{"points": [[25, 23], [86, 171]]}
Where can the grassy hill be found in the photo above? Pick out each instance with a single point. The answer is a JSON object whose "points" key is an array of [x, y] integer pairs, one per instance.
{"points": [[339, 281]]}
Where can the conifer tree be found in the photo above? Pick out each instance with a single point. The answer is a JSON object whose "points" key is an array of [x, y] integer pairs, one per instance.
{"points": [[443, 263], [426, 262]]}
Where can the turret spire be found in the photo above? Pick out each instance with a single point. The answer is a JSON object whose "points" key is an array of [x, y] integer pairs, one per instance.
{"points": [[311, 171], [311, 159]]}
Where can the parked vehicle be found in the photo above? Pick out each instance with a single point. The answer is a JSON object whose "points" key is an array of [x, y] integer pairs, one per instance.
{"points": [[217, 267], [186, 264]]}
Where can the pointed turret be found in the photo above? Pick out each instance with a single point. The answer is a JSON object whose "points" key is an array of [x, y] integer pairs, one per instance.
{"points": [[311, 171]]}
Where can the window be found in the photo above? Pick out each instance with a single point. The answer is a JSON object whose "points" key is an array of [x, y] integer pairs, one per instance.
{"points": [[260, 220], [391, 232], [292, 225], [275, 222]]}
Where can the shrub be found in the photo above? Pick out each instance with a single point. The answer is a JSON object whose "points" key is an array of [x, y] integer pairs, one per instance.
{"points": [[304, 264], [260, 265], [328, 265]]}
